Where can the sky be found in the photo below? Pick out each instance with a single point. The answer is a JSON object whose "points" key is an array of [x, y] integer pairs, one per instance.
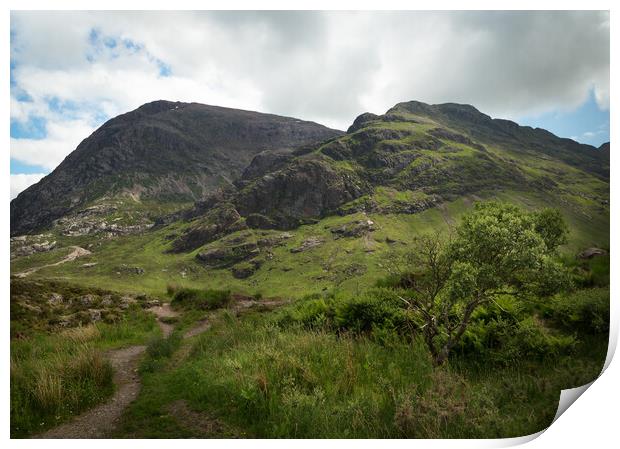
{"points": [[72, 71]]}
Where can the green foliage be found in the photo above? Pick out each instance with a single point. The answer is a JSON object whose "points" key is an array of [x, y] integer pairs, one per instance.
{"points": [[271, 381], [53, 378], [208, 299], [378, 310], [496, 250], [158, 350], [509, 341], [590, 272], [374, 310], [585, 311], [550, 225]]}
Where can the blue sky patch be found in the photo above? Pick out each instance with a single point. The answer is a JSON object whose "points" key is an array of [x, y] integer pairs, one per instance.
{"points": [[586, 124], [20, 167]]}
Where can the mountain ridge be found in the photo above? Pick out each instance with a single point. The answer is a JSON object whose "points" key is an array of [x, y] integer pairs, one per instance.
{"points": [[173, 151], [163, 148]]}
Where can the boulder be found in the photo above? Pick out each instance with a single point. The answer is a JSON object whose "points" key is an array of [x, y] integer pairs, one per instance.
{"points": [[591, 252], [55, 299], [226, 256], [126, 269], [354, 229], [309, 243], [95, 315], [244, 270], [87, 300], [216, 223]]}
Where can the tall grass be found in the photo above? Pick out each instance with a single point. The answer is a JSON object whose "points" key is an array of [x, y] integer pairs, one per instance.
{"points": [[54, 381], [56, 376]]}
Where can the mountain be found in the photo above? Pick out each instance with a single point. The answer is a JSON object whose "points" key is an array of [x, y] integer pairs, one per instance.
{"points": [[424, 154], [335, 209], [166, 151]]}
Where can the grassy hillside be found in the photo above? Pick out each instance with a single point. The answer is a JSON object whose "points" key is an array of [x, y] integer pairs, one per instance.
{"points": [[347, 263]]}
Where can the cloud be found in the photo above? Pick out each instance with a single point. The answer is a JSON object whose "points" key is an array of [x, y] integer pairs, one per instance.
{"points": [[75, 69], [49, 152], [22, 181]]}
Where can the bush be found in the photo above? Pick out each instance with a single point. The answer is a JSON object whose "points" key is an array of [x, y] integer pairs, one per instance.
{"points": [[172, 288], [508, 340], [157, 350], [364, 313], [310, 313], [377, 309], [395, 281], [52, 378], [585, 311], [200, 299]]}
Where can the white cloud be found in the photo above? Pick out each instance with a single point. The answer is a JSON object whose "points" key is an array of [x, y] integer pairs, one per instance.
{"points": [[321, 66], [62, 138], [21, 182]]}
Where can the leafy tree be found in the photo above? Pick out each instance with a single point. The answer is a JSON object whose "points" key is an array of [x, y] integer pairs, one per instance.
{"points": [[497, 249]]}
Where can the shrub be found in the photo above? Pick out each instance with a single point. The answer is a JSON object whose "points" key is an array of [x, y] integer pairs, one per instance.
{"points": [[507, 340], [585, 311], [201, 299], [172, 288], [395, 280], [377, 309], [157, 350], [52, 378]]}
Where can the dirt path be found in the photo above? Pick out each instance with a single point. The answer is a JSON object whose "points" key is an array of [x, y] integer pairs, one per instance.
{"points": [[77, 252], [164, 311], [99, 422]]}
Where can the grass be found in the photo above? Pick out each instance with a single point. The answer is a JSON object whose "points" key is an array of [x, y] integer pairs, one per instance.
{"points": [[294, 275], [293, 382], [55, 376], [200, 299]]}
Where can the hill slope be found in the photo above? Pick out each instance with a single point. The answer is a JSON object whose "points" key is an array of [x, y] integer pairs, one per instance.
{"points": [[168, 151], [338, 212]]}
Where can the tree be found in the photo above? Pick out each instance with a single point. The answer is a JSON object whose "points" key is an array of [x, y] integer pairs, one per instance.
{"points": [[497, 249]]}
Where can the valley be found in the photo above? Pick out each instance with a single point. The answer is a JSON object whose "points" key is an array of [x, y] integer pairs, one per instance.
{"points": [[283, 253]]}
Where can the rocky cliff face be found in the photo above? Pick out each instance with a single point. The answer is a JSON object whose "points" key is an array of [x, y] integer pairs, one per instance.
{"points": [[412, 158], [167, 151]]}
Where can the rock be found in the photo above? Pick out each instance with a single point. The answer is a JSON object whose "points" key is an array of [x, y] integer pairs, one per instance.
{"points": [[152, 303], [354, 229], [361, 121], [266, 162], [126, 269], [592, 252], [95, 315], [28, 250], [64, 320], [107, 300], [309, 243], [260, 221], [274, 240], [226, 256], [244, 270], [216, 223], [126, 302], [87, 300], [89, 264], [55, 299], [302, 192]]}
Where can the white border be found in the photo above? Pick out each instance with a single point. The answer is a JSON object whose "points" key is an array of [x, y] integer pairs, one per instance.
{"points": [[590, 421]]}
